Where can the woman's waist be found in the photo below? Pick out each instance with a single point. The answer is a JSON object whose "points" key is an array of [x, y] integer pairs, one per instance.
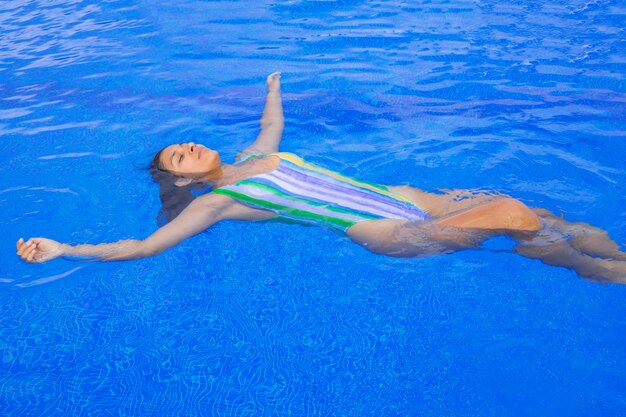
{"points": [[358, 203]]}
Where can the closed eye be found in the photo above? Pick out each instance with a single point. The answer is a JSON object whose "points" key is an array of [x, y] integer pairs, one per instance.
{"points": [[181, 155]]}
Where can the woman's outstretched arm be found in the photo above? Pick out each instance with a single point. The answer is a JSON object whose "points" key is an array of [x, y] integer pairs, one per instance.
{"points": [[202, 213], [272, 120]]}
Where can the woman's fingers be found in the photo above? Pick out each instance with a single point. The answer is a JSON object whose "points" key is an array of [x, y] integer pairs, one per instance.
{"points": [[26, 250], [273, 81], [22, 246], [273, 78], [32, 253], [29, 252], [26, 246]]}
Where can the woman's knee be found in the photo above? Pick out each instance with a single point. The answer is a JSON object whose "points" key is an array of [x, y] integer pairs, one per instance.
{"points": [[517, 215]]}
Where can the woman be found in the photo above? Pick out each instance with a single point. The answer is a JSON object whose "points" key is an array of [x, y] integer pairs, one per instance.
{"points": [[398, 221]]}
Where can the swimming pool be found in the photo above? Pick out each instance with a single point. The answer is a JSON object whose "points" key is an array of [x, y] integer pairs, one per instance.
{"points": [[271, 319]]}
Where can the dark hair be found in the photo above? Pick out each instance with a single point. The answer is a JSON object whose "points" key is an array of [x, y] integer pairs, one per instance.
{"points": [[174, 198]]}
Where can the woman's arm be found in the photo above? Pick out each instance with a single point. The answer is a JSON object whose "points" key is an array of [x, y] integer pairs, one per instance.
{"points": [[202, 213], [272, 121]]}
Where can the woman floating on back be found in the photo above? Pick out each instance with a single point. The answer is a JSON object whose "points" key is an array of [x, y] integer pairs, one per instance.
{"points": [[394, 220]]}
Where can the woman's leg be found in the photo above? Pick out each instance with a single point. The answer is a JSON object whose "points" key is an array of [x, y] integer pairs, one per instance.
{"points": [[504, 214], [584, 237], [475, 210], [468, 228], [442, 204], [586, 249], [405, 239], [465, 228], [563, 254]]}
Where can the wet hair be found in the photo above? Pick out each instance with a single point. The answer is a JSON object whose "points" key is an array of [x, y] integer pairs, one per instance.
{"points": [[174, 198]]}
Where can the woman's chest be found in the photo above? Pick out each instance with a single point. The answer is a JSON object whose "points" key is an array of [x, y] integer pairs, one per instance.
{"points": [[253, 167], [262, 165]]}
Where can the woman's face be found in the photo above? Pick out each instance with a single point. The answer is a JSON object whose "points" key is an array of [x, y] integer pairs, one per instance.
{"points": [[189, 160]]}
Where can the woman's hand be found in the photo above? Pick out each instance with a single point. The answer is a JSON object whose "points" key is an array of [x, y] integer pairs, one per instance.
{"points": [[273, 82], [38, 249]]}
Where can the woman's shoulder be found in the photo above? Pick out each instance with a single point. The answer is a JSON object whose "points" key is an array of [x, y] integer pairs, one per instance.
{"points": [[241, 157]]}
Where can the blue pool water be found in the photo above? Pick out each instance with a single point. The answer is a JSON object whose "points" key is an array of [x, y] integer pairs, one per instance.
{"points": [[280, 320]]}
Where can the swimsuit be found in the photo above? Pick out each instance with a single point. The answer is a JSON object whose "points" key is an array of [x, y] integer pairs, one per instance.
{"points": [[300, 192]]}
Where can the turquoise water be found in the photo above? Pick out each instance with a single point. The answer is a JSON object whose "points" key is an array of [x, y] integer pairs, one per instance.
{"points": [[269, 319]]}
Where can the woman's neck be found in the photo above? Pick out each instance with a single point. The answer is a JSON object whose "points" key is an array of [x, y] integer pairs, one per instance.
{"points": [[219, 175], [230, 174]]}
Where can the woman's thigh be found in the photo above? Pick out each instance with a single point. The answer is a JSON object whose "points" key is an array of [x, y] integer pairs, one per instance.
{"points": [[506, 215], [402, 238], [442, 204], [473, 209], [375, 235]]}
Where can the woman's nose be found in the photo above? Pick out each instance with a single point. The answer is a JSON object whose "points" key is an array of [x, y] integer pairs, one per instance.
{"points": [[192, 147]]}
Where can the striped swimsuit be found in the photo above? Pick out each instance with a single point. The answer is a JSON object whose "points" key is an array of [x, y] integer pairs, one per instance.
{"points": [[304, 193]]}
